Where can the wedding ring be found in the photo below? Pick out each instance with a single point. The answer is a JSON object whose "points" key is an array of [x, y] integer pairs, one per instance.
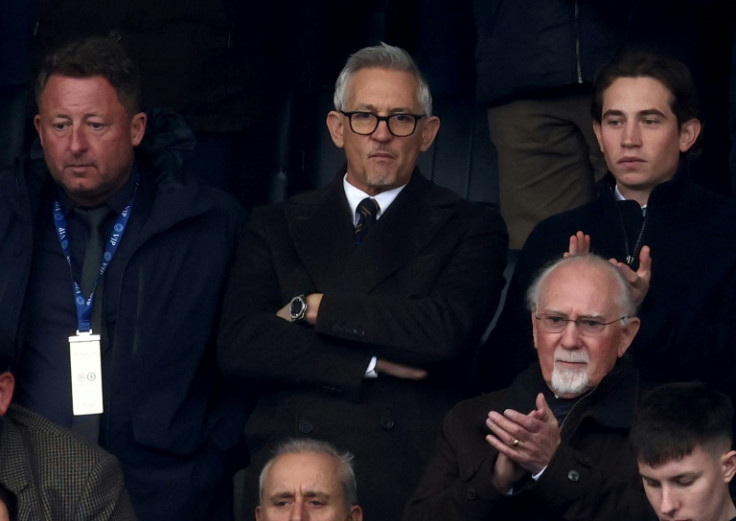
{"points": [[516, 442]]}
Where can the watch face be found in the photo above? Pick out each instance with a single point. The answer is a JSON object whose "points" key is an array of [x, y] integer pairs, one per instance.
{"points": [[296, 307]]}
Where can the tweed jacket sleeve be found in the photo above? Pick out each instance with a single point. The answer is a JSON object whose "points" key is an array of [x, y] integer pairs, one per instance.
{"points": [[56, 476]]}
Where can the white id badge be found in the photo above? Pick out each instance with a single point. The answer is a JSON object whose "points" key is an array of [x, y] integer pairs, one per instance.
{"points": [[86, 365]]}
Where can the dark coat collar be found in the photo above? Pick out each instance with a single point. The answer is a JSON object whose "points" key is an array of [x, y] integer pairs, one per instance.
{"points": [[611, 403], [320, 225], [679, 182]]}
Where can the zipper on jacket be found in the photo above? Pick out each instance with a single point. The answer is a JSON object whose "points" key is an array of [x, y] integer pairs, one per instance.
{"points": [[583, 398]]}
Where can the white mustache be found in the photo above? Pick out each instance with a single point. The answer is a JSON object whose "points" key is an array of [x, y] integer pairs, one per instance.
{"points": [[572, 357]]}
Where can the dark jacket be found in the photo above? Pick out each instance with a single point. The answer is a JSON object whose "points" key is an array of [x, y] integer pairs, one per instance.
{"points": [[592, 476], [166, 417], [418, 291], [687, 318], [532, 47], [55, 476]]}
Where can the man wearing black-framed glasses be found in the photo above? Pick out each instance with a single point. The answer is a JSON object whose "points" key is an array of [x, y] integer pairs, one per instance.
{"points": [[382, 121], [358, 304]]}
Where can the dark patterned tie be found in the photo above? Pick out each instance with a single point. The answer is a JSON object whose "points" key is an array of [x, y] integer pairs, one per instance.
{"points": [[367, 211], [93, 218]]}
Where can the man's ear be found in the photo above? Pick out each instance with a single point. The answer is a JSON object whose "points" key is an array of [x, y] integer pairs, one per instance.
{"points": [[429, 131], [336, 126], [7, 387], [628, 332], [356, 513], [597, 132], [728, 465], [534, 328], [689, 132], [138, 128], [37, 124], [258, 513]]}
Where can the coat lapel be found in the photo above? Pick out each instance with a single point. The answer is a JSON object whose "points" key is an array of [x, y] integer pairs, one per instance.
{"points": [[321, 230], [409, 224]]}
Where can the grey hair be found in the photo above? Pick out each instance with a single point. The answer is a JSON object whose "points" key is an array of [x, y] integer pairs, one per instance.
{"points": [[382, 56], [624, 298], [344, 461]]}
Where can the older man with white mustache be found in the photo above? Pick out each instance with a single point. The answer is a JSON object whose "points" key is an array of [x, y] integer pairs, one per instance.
{"points": [[551, 446]]}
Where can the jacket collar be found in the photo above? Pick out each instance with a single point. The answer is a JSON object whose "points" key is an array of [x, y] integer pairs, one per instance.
{"points": [[321, 228], [679, 182], [611, 402]]}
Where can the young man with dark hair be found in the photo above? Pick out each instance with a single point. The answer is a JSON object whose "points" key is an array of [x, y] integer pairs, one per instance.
{"points": [[654, 221], [682, 435]]}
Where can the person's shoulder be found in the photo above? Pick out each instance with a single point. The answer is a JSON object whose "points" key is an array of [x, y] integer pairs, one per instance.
{"points": [[573, 217], [551, 230], [310, 200], [712, 202], [315, 196], [697, 207], [55, 444], [464, 209]]}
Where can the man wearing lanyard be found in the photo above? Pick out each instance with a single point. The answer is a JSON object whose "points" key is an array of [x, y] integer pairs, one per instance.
{"points": [[113, 263]]}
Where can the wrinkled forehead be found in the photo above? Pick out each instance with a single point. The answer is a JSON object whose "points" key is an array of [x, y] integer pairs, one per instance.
{"points": [[303, 473]]}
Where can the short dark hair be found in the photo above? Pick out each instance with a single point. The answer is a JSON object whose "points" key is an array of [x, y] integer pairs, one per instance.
{"points": [[673, 419], [95, 56], [672, 73]]}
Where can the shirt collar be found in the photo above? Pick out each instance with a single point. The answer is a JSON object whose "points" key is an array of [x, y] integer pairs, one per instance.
{"points": [[355, 195], [619, 197]]}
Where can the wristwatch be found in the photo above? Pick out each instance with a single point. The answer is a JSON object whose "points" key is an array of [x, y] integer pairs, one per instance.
{"points": [[298, 308]]}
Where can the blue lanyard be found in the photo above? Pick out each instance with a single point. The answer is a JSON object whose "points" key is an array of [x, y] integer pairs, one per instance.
{"points": [[84, 306]]}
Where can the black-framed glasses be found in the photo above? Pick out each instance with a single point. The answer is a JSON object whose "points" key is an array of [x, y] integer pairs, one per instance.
{"points": [[590, 326], [400, 125]]}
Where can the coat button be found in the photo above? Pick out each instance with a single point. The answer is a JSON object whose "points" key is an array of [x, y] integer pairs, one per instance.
{"points": [[471, 493], [573, 476], [387, 423], [305, 426]]}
